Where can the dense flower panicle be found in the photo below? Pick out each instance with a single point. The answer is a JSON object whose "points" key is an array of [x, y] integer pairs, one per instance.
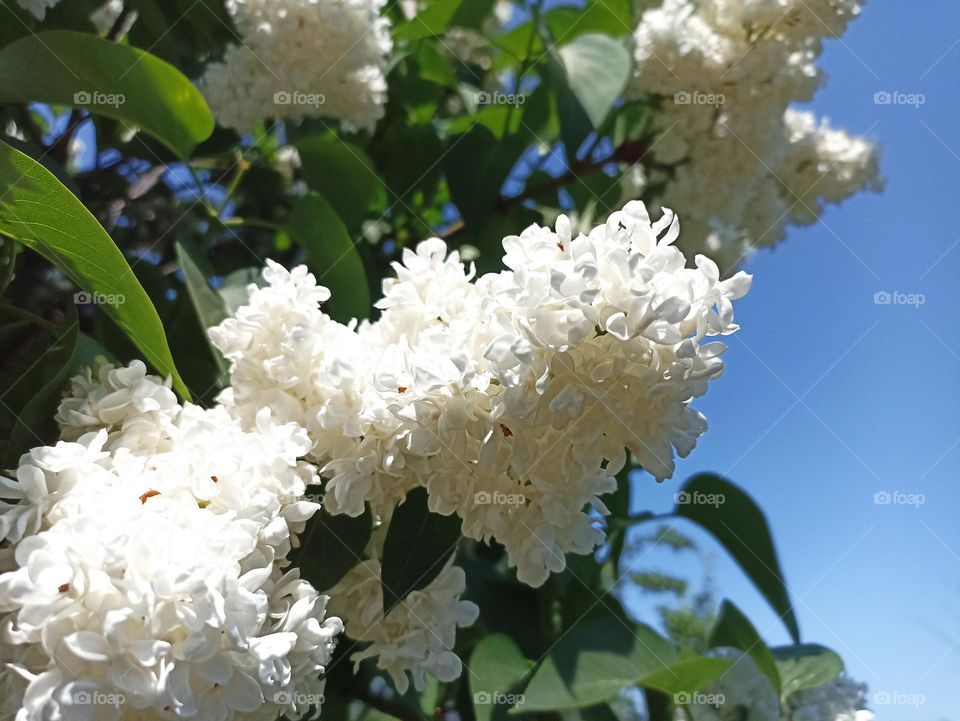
{"points": [[301, 58], [511, 397], [723, 74], [417, 635], [149, 575], [137, 411]]}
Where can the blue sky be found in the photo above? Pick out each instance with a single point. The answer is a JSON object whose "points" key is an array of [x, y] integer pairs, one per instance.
{"points": [[830, 398]]}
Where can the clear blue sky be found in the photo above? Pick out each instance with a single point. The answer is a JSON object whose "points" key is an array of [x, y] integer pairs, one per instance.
{"points": [[878, 384]]}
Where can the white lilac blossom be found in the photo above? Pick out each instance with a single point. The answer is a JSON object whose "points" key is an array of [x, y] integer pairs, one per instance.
{"points": [[302, 58], [744, 693], [513, 398], [106, 15], [38, 8], [417, 636], [842, 699], [722, 75], [148, 577]]}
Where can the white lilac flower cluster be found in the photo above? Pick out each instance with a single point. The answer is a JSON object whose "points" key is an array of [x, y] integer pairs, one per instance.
{"points": [[842, 699], [146, 575], [417, 635], [106, 15], [510, 397], [723, 74], [103, 17], [38, 8], [744, 693], [302, 58]]}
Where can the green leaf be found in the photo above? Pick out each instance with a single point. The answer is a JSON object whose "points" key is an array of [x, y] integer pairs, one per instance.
{"points": [[597, 70], [472, 13], [688, 675], [210, 306], [732, 628], [805, 665], [433, 66], [728, 513], [331, 256], [35, 423], [234, 289], [477, 164], [593, 662], [37, 210], [342, 173], [89, 73], [417, 546], [331, 546], [610, 17], [496, 668], [431, 21]]}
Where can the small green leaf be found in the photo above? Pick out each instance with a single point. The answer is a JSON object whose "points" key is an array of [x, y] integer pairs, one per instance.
{"points": [[431, 21], [331, 546], [86, 72], [597, 69], [342, 173], [610, 17], [722, 508], [37, 210], [234, 290], [433, 66], [805, 665], [417, 546], [593, 662], [35, 423], [496, 668], [732, 628], [688, 675], [331, 256]]}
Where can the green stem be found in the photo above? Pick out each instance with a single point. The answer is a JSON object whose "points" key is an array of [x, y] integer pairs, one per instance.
{"points": [[242, 167], [251, 223]]}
